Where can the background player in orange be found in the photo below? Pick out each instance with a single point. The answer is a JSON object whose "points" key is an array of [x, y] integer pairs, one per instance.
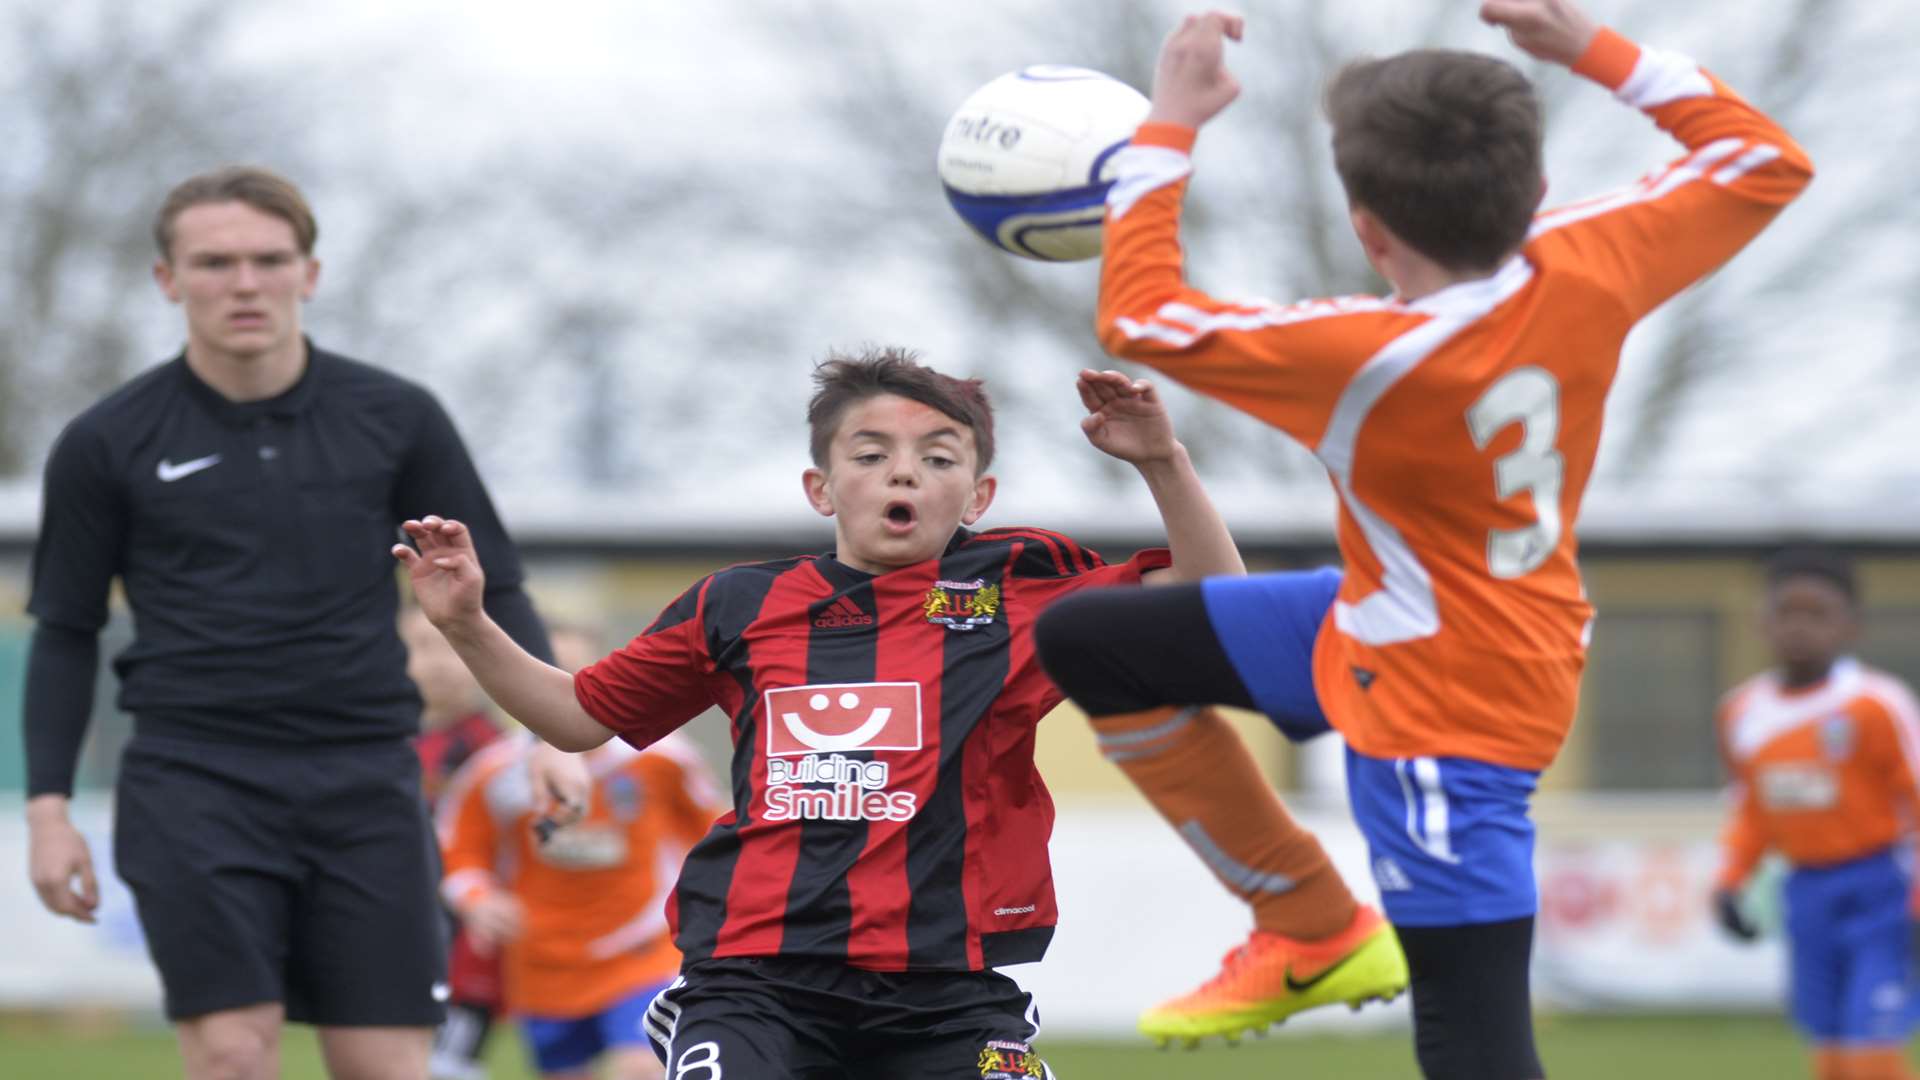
{"points": [[455, 724], [579, 920], [1458, 419], [886, 849], [1824, 753]]}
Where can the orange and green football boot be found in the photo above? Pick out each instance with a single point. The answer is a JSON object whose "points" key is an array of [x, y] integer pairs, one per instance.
{"points": [[1272, 977]]}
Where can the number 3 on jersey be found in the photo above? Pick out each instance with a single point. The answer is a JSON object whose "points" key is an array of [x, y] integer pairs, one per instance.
{"points": [[1529, 396]]}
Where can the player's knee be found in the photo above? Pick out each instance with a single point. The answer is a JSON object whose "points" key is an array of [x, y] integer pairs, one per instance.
{"points": [[634, 1063], [1065, 628], [229, 1051], [1066, 637]]}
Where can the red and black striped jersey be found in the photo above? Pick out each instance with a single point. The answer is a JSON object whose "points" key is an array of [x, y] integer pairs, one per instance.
{"points": [[887, 812]]}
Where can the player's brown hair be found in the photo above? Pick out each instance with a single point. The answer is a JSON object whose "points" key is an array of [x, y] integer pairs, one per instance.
{"points": [[265, 191], [1444, 148], [843, 380]]}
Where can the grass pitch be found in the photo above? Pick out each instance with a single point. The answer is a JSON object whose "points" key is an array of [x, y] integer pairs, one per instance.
{"points": [[1575, 1048]]}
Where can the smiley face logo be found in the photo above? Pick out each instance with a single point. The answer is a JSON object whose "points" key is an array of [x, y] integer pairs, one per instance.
{"points": [[841, 717]]}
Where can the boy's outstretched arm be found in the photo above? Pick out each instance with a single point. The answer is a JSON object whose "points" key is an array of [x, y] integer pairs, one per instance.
{"points": [[448, 582], [1127, 419], [1679, 223]]}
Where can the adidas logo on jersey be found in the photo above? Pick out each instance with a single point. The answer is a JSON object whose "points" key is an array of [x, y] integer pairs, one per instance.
{"points": [[1364, 678], [842, 614]]}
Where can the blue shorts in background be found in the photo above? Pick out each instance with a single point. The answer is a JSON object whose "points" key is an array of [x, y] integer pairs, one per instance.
{"points": [[1848, 936], [568, 1044], [1450, 839]]}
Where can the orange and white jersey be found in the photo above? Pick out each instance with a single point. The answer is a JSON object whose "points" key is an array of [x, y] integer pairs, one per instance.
{"points": [[594, 895], [1824, 774], [1459, 429]]}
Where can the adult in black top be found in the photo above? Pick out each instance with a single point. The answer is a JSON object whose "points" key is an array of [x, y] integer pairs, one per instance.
{"points": [[268, 814]]}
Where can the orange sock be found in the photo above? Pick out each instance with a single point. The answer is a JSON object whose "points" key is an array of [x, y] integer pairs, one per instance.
{"points": [[1878, 1063], [1830, 1064], [1197, 772]]}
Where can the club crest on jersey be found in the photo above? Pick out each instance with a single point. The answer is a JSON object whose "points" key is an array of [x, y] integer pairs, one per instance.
{"points": [[1008, 1060], [962, 605], [1837, 737]]}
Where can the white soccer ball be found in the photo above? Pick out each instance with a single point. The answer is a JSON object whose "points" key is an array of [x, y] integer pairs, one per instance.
{"points": [[1026, 159]]}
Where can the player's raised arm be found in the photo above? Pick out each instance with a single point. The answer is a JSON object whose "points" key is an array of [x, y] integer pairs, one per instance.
{"points": [[448, 582], [1126, 418], [1679, 222]]}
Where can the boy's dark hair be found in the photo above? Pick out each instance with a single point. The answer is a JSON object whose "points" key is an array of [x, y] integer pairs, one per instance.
{"points": [[1823, 563], [843, 380], [1444, 148], [267, 192]]}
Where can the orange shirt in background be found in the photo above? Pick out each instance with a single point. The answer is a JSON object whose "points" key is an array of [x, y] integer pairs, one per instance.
{"points": [[594, 895], [1823, 774]]}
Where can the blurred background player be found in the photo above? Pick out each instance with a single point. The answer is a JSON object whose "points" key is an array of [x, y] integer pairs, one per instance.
{"points": [[887, 845], [455, 723], [268, 816], [579, 922], [1823, 753], [1458, 420]]}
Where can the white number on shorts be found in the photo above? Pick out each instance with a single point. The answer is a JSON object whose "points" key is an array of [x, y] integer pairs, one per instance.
{"points": [[700, 1062], [1529, 396]]}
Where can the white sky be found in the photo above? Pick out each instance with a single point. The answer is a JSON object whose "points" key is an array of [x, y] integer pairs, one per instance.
{"points": [[704, 81]]}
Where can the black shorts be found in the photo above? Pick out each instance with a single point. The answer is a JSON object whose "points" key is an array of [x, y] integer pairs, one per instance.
{"points": [[301, 875], [780, 1019]]}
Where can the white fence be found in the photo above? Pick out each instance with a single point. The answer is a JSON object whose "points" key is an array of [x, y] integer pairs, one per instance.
{"points": [[1624, 920]]}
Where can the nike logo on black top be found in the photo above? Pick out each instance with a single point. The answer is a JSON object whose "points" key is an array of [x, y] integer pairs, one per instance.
{"points": [[169, 472]]}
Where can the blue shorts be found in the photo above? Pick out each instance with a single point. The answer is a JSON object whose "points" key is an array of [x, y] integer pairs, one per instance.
{"points": [[569, 1044], [1450, 839], [1848, 931]]}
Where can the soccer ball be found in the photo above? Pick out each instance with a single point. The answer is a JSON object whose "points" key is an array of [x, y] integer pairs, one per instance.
{"points": [[1025, 159]]}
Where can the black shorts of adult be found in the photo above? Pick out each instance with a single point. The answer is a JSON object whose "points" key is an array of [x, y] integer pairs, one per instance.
{"points": [[299, 875], [791, 1019]]}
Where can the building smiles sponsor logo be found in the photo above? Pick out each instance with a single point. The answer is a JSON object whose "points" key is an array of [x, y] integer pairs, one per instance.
{"points": [[962, 605], [812, 730], [838, 717]]}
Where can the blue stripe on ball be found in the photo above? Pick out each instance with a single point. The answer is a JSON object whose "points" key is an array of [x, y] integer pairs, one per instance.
{"points": [[1013, 222]]}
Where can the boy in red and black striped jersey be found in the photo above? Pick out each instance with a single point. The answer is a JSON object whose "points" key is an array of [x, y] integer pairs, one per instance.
{"points": [[886, 848]]}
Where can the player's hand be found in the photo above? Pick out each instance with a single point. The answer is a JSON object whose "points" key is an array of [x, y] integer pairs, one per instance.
{"points": [[1191, 83], [60, 865], [561, 785], [445, 571], [1556, 31], [491, 920], [1726, 909], [1125, 417]]}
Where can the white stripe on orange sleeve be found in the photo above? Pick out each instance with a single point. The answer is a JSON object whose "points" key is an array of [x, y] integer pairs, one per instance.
{"points": [[1181, 324], [1757, 155], [1142, 170], [1662, 77], [1649, 188], [1893, 694]]}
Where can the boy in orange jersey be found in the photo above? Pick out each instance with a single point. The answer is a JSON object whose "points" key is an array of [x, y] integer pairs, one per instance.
{"points": [[1824, 752], [580, 919], [1458, 419]]}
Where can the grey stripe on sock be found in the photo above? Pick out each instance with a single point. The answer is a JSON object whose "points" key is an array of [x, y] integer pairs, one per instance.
{"points": [[1235, 873]]}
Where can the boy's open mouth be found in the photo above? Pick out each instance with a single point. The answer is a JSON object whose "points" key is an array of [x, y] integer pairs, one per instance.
{"points": [[900, 517]]}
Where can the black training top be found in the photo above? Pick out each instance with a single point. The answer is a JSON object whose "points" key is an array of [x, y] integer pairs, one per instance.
{"points": [[252, 539]]}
